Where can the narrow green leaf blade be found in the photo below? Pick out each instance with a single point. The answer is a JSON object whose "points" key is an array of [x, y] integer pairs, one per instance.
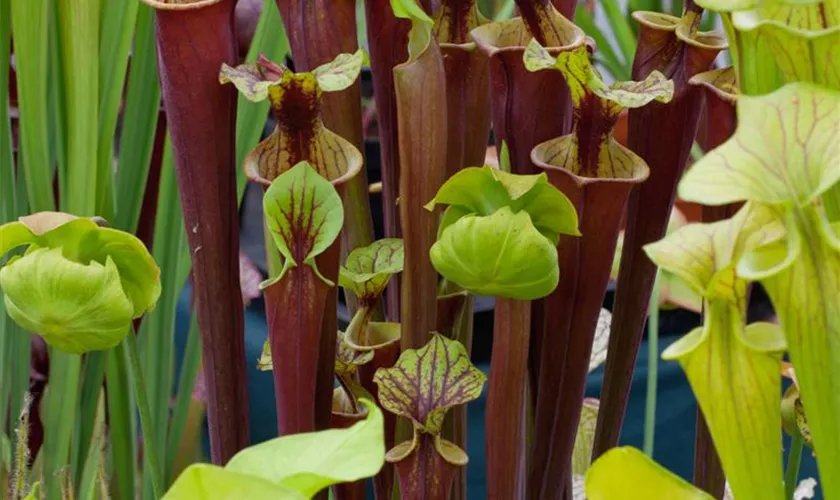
{"points": [[139, 123], [31, 44]]}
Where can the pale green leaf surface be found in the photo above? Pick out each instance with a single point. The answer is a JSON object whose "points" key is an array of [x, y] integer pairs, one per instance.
{"points": [[704, 255], [785, 149], [584, 80], [341, 72], [248, 80], [211, 482], [426, 382], [420, 35], [304, 215], [81, 240], [626, 473], [502, 254], [309, 462], [484, 190], [73, 306]]}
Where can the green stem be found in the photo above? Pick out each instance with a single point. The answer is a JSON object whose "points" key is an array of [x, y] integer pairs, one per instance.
{"points": [[653, 369], [150, 444], [794, 459]]}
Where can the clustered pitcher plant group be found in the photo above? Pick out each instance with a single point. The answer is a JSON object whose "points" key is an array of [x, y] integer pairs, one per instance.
{"points": [[566, 206]]}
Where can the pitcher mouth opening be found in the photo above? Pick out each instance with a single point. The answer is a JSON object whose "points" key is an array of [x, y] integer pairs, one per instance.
{"points": [[513, 35]]}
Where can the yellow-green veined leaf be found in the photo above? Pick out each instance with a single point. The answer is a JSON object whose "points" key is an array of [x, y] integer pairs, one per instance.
{"points": [[348, 359], [264, 363], [367, 270], [304, 214], [734, 374], [502, 254], [426, 382], [733, 370], [211, 482], [802, 277], [249, 79], [75, 307], [585, 437], [341, 72], [584, 80], [785, 149], [310, 462], [704, 255], [628, 474]]}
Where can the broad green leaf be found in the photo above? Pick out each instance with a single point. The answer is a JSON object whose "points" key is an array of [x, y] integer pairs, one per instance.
{"points": [[304, 214], [784, 149], [484, 190], [585, 437], [139, 274], [74, 307], [211, 482], [82, 240], [341, 72], [367, 270], [310, 462], [426, 382], [249, 79], [628, 474], [502, 254]]}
